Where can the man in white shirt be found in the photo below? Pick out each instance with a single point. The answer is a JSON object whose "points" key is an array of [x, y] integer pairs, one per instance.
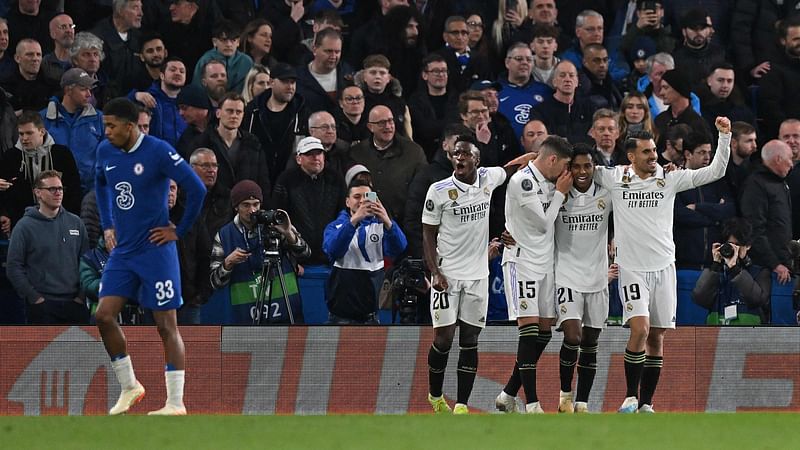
{"points": [[643, 196], [455, 237], [582, 276], [534, 196]]}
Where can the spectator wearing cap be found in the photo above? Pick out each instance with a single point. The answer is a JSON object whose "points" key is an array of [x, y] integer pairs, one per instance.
{"points": [[225, 38], [431, 105], [238, 152], [520, 91], [697, 54], [277, 117], [30, 85], [357, 242], [392, 159], [320, 80], [589, 29], [161, 98], [650, 85], [312, 194], [676, 91], [62, 33], [237, 259], [194, 107], [357, 172], [641, 49], [648, 21], [73, 122]]}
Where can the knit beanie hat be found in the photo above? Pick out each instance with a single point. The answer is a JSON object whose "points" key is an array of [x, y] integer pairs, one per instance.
{"points": [[677, 80], [245, 190]]}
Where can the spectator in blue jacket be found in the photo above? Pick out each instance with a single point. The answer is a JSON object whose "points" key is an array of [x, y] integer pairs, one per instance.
{"points": [[74, 123], [589, 30], [161, 98], [357, 242], [225, 38]]}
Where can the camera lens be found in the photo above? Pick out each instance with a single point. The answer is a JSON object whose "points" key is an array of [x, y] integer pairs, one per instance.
{"points": [[726, 250]]}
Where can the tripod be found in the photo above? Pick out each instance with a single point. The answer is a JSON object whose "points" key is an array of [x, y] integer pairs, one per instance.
{"points": [[270, 265]]}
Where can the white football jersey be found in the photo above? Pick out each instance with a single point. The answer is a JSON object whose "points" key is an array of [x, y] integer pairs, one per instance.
{"points": [[462, 213], [643, 209], [581, 240], [532, 204]]}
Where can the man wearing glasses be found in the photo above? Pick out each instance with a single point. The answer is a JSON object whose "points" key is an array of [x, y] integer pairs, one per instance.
{"points": [[520, 92], [47, 233], [217, 209], [464, 67], [62, 32], [431, 104], [393, 160]]}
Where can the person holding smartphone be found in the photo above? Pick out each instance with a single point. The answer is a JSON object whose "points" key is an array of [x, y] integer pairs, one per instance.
{"points": [[356, 242], [648, 23]]}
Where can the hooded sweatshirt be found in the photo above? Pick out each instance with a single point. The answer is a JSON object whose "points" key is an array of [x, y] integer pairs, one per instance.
{"points": [[36, 243]]}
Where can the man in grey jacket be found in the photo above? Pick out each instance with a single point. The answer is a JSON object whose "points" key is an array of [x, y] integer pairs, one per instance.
{"points": [[44, 255]]}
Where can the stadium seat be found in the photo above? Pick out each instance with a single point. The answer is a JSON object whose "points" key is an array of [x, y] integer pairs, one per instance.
{"points": [[782, 310], [688, 312]]}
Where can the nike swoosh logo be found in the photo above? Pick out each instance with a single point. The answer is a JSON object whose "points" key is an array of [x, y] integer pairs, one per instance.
{"points": [[163, 302], [504, 99], [110, 168]]}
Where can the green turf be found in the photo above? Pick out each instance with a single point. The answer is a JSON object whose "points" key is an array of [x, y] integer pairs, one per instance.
{"points": [[590, 432]]}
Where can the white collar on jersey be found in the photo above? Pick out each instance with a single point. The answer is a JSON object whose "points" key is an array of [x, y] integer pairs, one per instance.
{"points": [[593, 188], [629, 173], [137, 144], [463, 187], [537, 174]]}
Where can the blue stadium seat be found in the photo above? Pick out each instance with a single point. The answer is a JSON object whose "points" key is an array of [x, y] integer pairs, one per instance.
{"points": [[782, 311], [688, 312]]}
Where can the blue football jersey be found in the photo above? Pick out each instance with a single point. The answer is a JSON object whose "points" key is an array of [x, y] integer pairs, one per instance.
{"points": [[132, 189]]}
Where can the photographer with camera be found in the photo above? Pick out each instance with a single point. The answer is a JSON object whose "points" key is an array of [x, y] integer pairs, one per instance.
{"points": [[357, 242], [239, 257], [733, 289]]}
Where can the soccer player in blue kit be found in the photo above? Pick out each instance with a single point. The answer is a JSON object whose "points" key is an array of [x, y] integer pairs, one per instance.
{"points": [[132, 176]]}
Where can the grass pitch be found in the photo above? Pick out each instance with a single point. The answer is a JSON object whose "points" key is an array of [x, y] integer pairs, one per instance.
{"points": [[596, 431]]}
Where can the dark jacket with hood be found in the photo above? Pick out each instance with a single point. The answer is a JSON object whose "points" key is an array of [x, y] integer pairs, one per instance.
{"points": [[278, 149], [23, 171], [249, 164]]}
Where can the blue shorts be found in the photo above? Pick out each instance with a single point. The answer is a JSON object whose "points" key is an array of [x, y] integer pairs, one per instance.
{"points": [[153, 276]]}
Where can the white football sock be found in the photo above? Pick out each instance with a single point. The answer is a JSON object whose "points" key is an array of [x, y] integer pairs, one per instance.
{"points": [[175, 379], [124, 369]]}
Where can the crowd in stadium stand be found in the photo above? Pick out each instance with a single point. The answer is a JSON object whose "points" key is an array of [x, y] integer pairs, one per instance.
{"points": [[315, 104]]}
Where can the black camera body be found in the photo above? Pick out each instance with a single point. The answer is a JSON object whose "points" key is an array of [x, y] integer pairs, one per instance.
{"points": [[726, 250], [269, 217], [408, 281]]}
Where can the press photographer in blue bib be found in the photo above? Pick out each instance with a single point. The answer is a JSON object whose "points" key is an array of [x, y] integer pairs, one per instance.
{"points": [[253, 259]]}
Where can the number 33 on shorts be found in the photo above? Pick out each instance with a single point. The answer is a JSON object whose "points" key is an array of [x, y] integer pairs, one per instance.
{"points": [[164, 292]]}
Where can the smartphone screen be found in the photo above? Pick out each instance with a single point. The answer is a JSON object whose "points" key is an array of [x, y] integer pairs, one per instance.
{"points": [[372, 196]]}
